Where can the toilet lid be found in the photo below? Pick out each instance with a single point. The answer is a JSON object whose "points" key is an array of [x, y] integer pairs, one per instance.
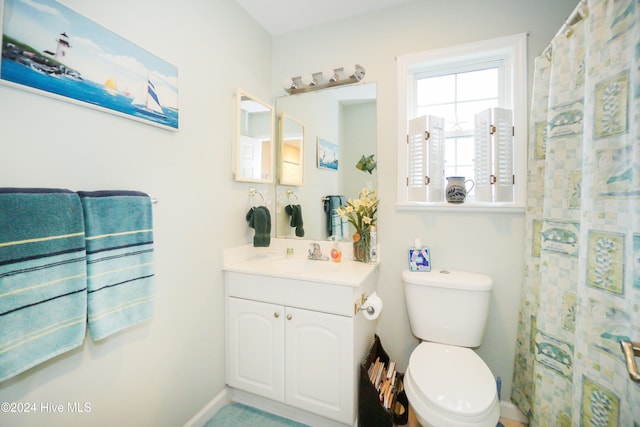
{"points": [[453, 379]]}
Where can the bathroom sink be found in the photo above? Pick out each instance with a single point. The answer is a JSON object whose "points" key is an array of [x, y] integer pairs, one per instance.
{"points": [[347, 272], [298, 265]]}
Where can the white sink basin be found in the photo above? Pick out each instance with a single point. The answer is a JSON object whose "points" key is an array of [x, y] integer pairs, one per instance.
{"points": [[297, 265], [347, 272]]}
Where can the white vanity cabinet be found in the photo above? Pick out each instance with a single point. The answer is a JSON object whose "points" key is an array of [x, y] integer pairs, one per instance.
{"points": [[276, 348], [298, 342]]}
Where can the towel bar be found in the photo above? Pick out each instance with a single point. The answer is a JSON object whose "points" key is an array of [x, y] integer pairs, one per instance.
{"points": [[253, 193], [291, 193]]}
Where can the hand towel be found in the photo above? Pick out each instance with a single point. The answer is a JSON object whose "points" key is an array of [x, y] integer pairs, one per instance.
{"points": [[345, 221], [259, 218], [335, 225], [295, 211], [43, 283], [119, 241]]}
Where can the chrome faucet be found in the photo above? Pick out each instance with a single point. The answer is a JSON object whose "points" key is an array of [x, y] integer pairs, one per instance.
{"points": [[315, 253]]}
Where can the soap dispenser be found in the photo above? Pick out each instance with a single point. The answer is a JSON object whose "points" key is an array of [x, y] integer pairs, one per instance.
{"points": [[336, 252]]}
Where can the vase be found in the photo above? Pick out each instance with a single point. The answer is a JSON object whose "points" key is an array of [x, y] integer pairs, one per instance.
{"points": [[457, 188], [361, 250]]}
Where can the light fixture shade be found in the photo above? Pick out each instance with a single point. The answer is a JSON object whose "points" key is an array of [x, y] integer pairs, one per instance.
{"points": [[349, 70], [308, 80], [289, 84], [330, 75]]}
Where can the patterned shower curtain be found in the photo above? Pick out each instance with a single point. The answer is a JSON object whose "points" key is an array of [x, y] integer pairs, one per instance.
{"points": [[581, 293]]}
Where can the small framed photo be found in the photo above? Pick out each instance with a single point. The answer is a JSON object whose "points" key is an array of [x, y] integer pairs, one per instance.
{"points": [[328, 154]]}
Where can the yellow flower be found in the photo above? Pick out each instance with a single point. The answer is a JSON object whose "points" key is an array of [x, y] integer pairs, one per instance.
{"points": [[361, 212]]}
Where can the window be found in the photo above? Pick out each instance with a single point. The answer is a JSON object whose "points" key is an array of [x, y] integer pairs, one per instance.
{"points": [[461, 94]]}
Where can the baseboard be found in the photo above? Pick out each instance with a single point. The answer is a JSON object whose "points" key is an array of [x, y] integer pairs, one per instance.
{"points": [[210, 409], [510, 411]]}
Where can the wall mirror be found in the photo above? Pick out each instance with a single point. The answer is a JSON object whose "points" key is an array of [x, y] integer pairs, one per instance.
{"points": [[291, 150], [254, 151], [346, 117]]}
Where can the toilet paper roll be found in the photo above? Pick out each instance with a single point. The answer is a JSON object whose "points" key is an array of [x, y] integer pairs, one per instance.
{"points": [[372, 307]]}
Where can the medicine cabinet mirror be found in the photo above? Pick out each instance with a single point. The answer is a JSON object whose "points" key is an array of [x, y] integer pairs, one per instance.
{"points": [[345, 116], [254, 151], [291, 150]]}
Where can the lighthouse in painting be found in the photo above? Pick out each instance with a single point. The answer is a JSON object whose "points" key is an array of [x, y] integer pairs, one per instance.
{"points": [[63, 47]]}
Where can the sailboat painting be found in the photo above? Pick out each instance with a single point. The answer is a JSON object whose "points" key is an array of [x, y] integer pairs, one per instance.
{"points": [[151, 104], [74, 59]]}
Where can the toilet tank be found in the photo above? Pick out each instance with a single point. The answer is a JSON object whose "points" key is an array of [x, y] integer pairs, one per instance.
{"points": [[447, 306]]}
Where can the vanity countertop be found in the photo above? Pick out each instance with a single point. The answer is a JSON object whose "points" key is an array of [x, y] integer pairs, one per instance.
{"points": [[345, 273]]}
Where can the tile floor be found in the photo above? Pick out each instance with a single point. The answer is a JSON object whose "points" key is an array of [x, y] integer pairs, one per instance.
{"points": [[238, 415]]}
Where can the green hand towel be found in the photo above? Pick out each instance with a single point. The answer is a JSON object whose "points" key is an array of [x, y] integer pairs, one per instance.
{"points": [[259, 218], [295, 211]]}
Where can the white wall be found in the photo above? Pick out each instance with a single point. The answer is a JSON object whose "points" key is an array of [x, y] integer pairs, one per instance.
{"points": [[489, 243], [162, 372]]}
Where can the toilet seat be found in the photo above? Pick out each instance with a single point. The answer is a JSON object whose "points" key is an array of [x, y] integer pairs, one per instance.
{"points": [[451, 386]]}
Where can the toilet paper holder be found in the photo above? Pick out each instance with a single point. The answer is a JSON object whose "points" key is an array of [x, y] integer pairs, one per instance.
{"points": [[362, 305], [369, 309]]}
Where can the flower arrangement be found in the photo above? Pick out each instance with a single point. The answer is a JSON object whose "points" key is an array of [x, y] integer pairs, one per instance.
{"points": [[361, 213]]}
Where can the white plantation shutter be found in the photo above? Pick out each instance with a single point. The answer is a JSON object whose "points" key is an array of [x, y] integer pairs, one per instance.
{"points": [[417, 159], [425, 154], [435, 159], [503, 140], [493, 163], [483, 160]]}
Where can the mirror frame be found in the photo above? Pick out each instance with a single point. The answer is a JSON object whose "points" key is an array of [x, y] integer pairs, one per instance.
{"points": [[241, 96], [282, 180]]}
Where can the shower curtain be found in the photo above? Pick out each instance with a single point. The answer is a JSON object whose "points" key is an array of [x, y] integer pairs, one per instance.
{"points": [[581, 291]]}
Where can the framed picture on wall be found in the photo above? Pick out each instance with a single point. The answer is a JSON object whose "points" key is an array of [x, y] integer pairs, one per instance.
{"points": [[328, 154], [52, 50]]}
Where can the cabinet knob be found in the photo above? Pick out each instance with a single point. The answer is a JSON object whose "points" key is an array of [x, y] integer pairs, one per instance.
{"points": [[276, 314], [289, 317]]}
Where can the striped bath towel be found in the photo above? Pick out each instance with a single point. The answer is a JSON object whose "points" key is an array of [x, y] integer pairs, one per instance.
{"points": [[119, 240], [43, 283]]}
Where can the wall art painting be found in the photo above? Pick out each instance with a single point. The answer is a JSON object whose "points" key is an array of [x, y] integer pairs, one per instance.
{"points": [[328, 154], [52, 50]]}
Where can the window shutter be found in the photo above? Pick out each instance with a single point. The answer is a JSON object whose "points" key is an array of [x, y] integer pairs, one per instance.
{"points": [[483, 159], [435, 159], [503, 140], [494, 155], [417, 161], [425, 149]]}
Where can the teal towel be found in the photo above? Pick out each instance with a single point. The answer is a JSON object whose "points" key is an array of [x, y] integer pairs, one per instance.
{"points": [[259, 218], [119, 240], [43, 290], [336, 226], [295, 211]]}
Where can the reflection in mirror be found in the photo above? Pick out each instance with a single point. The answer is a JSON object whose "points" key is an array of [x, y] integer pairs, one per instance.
{"points": [[254, 151], [291, 143], [344, 116]]}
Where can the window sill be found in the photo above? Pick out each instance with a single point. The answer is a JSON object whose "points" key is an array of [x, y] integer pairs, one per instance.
{"points": [[467, 207]]}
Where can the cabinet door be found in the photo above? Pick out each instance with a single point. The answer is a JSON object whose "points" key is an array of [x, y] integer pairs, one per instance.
{"points": [[255, 347], [319, 363]]}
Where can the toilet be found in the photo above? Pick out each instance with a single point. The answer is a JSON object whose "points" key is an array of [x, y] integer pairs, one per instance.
{"points": [[446, 382]]}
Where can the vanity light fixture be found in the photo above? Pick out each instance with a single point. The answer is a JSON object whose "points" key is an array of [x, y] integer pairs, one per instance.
{"points": [[325, 79], [308, 80], [289, 84]]}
